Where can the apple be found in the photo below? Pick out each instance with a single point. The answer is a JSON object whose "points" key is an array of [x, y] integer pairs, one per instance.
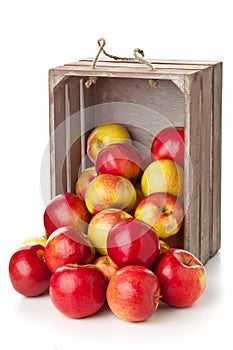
{"points": [[182, 277], [110, 191], [83, 181], [104, 135], [169, 144], [163, 176], [66, 209], [34, 239], [28, 271], [120, 159], [66, 246], [77, 291], [139, 195], [164, 247], [163, 212], [106, 266], [133, 293], [133, 242], [100, 225]]}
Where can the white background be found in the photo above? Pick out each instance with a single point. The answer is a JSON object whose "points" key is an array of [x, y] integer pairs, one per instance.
{"points": [[36, 36]]}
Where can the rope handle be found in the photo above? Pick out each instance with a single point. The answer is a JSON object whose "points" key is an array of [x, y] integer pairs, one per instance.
{"points": [[138, 55]]}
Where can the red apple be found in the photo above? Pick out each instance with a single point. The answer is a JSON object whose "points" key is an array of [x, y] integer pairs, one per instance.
{"points": [[77, 291], [169, 144], [66, 209], [104, 135], [83, 181], [163, 211], [133, 242], [110, 191], [28, 271], [100, 225], [66, 246], [106, 266], [133, 293], [120, 159], [182, 277]]}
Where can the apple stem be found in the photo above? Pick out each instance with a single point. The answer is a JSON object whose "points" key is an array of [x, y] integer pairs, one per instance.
{"points": [[167, 212], [188, 263], [40, 254]]}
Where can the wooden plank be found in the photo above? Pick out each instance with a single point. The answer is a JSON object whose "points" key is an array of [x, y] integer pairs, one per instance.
{"points": [[57, 139], [153, 60], [136, 103], [74, 145], [216, 157], [192, 125], [143, 72], [51, 134], [205, 157], [138, 65]]}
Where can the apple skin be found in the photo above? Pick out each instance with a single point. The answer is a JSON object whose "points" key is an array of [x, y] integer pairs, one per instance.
{"points": [[120, 159], [66, 209], [133, 242], [33, 239], [28, 271], [104, 135], [77, 291], [106, 266], [100, 225], [163, 212], [164, 247], [66, 246], [110, 191], [169, 144], [163, 176], [182, 277], [83, 181], [133, 293]]}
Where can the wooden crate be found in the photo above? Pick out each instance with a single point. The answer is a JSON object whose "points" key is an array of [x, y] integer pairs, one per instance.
{"points": [[189, 94]]}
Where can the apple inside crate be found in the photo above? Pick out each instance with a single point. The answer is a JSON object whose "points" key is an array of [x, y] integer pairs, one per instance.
{"points": [[188, 95]]}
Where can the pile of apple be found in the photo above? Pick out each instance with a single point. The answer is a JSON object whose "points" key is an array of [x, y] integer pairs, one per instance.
{"points": [[107, 241]]}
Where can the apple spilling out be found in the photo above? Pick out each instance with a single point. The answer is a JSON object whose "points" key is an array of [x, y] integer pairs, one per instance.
{"points": [[29, 273], [67, 246], [108, 242], [133, 293], [78, 291], [66, 209]]}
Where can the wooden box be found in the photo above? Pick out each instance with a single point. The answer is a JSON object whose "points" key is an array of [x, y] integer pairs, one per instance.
{"points": [[188, 94]]}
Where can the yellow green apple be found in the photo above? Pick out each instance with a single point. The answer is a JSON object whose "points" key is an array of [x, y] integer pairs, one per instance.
{"points": [[163, 176], [104, 135], [110, 191], [83, 181], [100, 225], [37, 240], [162, 211]]}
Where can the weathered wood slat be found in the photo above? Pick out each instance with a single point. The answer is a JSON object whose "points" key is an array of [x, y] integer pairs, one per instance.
{"points": [[57, 139], [216, 158], [192, 125], [143, 72], [74, 131], [205, 164], [138, 65], [152, 60]]}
